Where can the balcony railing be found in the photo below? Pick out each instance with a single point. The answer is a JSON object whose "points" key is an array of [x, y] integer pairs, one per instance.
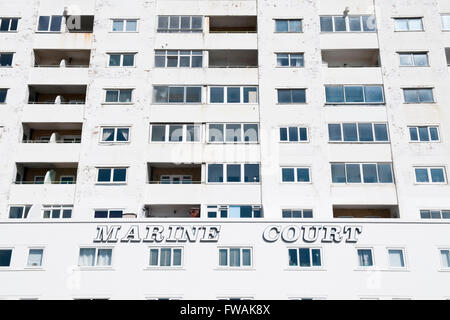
{"points": [[42, 183], [53, 102], [57, 141], [59, 67], [172, 182]]}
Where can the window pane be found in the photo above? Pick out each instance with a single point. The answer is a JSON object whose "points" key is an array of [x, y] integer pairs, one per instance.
{"points": [[118, 25], [396, 259], [174, 23], [5, 258], [424, 134], [374, 94], [120, 175], [250, 95], [334, 132], [197, 62], [350, 132], [293, 134], [161, 94], [4, 26], [445, 257], [43, 24], [406, 59], [355, 23], [410, 95], [233, 95], [297, 60], [425, 214], [445, 22], [446, 214], [381, 133], [55, 25], [369, 23], [233, 173], [158, 133], [434, 134], [101, 214], [303, 175], [284, 96], [122, 134], [108, 135], [425, 95], [385, 173], [401, 25], [370, 173], [251, 172], [295, 26], [422, 175], [125, 96], [6, 59], [128, 60], [326, 24], [193, 94], [215, 173], [293, 257], [35, 257], [131, 25], [166, 257], [413, 134], [281, 25], [104, 175], [250, 132], [435, 214], [154, 257], [112, 96], [114, 60], [415, 24], [303, 134], [87, 257], [233, 133], [307, 214], [334, 94], [365, 258], [185, 61], [283, 134], [288, 175], [176, 94], [420, 59], [286, 213], [104, 257], [316, 258], [338, 173], [177, 257], [216, 133], [299, 96], [365, 132], [437, 175], [193, 133], [196, 22], [217, 95], [354, 94], [185, 23], [175, 133], [305, 260], [16, 212], [282, 60], [246, 258], [353, 173], [235, 259], [223, 257]]}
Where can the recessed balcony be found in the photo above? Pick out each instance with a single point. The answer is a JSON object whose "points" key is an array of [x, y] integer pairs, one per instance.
{"points": [[351, 58], [172, 211], [52, 132], [46, 173], [233, 59], [233, 24], [52, 58], [365, 212], [57, 94], [174, 174]]}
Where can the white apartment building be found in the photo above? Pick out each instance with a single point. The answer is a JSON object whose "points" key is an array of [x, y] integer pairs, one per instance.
{"points": [[221, 149]]}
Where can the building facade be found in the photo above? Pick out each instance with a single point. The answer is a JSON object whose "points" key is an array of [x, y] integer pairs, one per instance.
{"points": [[253, 149]]}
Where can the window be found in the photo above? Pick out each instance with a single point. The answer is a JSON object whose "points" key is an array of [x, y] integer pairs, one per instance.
{"points": [[233, 95], [414, 59], [8, 24], [119, 96], [122, 25], [305, 257], [424, 134], [175, 132], [6, 59], [300, 175], [362, 173], [418, 95], [235, 257], [166, 257], [5, 257], [112, 175], [364, 94], [293, 134], [349, 23], [291, 96], [105, 214], [3, 93], [296, 213], [233, 173], [19, 212], [50, 23], [121, 59], [57, 212], [365, 258], [358, 132], [435, 214], [445, 18], [235, 211], [110, 134], [178, 59], [233, 133], [288, 25], [430, 175], [95, 257], [291, 60], [35, 258], [180, 24], [177, 94], [396, 258], [408, 24], [445, 258]]}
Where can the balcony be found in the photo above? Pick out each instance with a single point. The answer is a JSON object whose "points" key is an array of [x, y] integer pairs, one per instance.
{"points": [[366, 212], [172, 211], [233, 24], [46, 173], [363, 58], [61, 58], [38, 133], [57, 94], [174, 174], [233, 59]]}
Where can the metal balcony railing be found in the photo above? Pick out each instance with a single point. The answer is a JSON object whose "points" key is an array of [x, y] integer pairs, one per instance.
{"points": [[42, 183]]}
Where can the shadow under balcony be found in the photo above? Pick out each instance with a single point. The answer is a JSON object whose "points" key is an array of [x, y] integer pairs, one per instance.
{"points": [[233, 58], [233, 24], [365, 212]]}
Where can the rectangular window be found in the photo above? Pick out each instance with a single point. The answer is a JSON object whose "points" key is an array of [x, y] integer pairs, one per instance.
{"points": [[95, 257], [180, 24], [9, 24], [35, 258], [365, 258], [121, 59], [431, 175], [435, 214], [57, 212], [234, 211], [408, 24], [5, 258], [235, 257], [50, 23], [115, 134], [298, 175], [124, 25], [178, 59], [424, 95], [288, 25], [293, 134], [445, 258], [108, 214], [177, 94], [3, 93], [364, 94], [19, 212], [6, 59], [362, 173], [291, 96], [119, 96], [424, 134], [233, 133], [175, 133], [233, 94], [112, 175], [234, 173], [166, 257], [290, 60], [365, 23], [296, 213], [358, 132], [445, 18], [396, 258], [305, 257], [413, 59]]}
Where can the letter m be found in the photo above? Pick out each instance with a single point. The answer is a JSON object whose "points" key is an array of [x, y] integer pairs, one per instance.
{"points": [[105, 234]]}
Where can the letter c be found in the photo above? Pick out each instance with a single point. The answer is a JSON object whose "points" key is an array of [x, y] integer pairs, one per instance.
{"points": [[270, 236]]}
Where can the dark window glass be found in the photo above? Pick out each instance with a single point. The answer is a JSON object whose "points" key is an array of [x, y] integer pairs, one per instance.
{"points": [[299, 96], [128, 60], [176, 94], [6, 59], [217, 95], [116, 214], [163, 22], [370, 173], [120, 175], [246, 212], [353, 173], [5, 258], [104, 175], [422, 175], [282, 25], [338, 173], [385, 173], [233, 173], [424, 134], [434, 134], [413, 134], [288, 175], [101, 214], [303, 134], [305, 260], [215, 173], [55, 25], [437, 175], [293, 134], [283, 134], [425, 214], [193, 94], [251, 172], [354, 23], [365, 132], [334, 94], [373, 94], [303, 175], [381, 133], [43, 24], [293, 257], [339, 24], [3, 93], [161, 94], [326, 24], [4, 26], [354, 94], [316, 258], [233, 95], [334, 132], [284, 96], [350, 132]]}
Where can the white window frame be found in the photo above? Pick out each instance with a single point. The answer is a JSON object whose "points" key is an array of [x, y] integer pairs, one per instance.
{"points": [[347, 23], [224, 125], [288, 134], [108, 214], [429, 133], [112, 182], [412, 54], [431, 218], [445, 15], [409, 28], [171, 267], [241, 249], [289, 59], [9, 25], [358, 266], [24, 214], [179, 30], [184, 102], [179, 55], [342, 141], [299, 210], [225, 173], [429, 175], [42, 258], [362, 174], [363, 86], [95, 266], [296, 175], [219, 208], [119, 91], [62, 177], [417, 89], [225, 95], [167, 132], [12, 257], [122, 54], [310, 248], [403, 250], [56, 207], [116, 128], [442, 267], [61, 29], [125, 21], [288, 20]]}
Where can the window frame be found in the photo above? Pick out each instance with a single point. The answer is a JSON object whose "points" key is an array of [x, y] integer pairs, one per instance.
{"points": [[158, 266], [444, 170], [241, 266], [430, 211], [10, 23], [124, 21], [298, 267], [288, 22], [289, 54], [179, 55], [61, 28], [119, 92], [408, 21], [288, 141], [296, 175], [184, 102], [442, 22], [220, 209], [361, 172], [343, 141], [291, 92], [108, 213], [432, 89], [224, 131], [41, 266], [179, 30], [111, 182], [53, 207], [185, 132], [122, 55], [6, 248], [363, 87], [440, 249], [95, 266], [429, 127], [412, 54], [405, 264], [372, 254], [225, 173], [298, 210], [12, 58], [116, 128], [26, 208], [347, 23], [225, 95]]}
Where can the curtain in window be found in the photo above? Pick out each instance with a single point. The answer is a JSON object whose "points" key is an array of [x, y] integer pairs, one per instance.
{"points": [[177, 257], [396, 258], [176, 133], [223, 257], [216, 133], [445, 255], [246, 257], [35, 258], [235, 259], [154, 257], [233, 132], [108, 135], [87, 257], [122, 134], [250, 132], [165, 257], [365, 258], [104, 257]]}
